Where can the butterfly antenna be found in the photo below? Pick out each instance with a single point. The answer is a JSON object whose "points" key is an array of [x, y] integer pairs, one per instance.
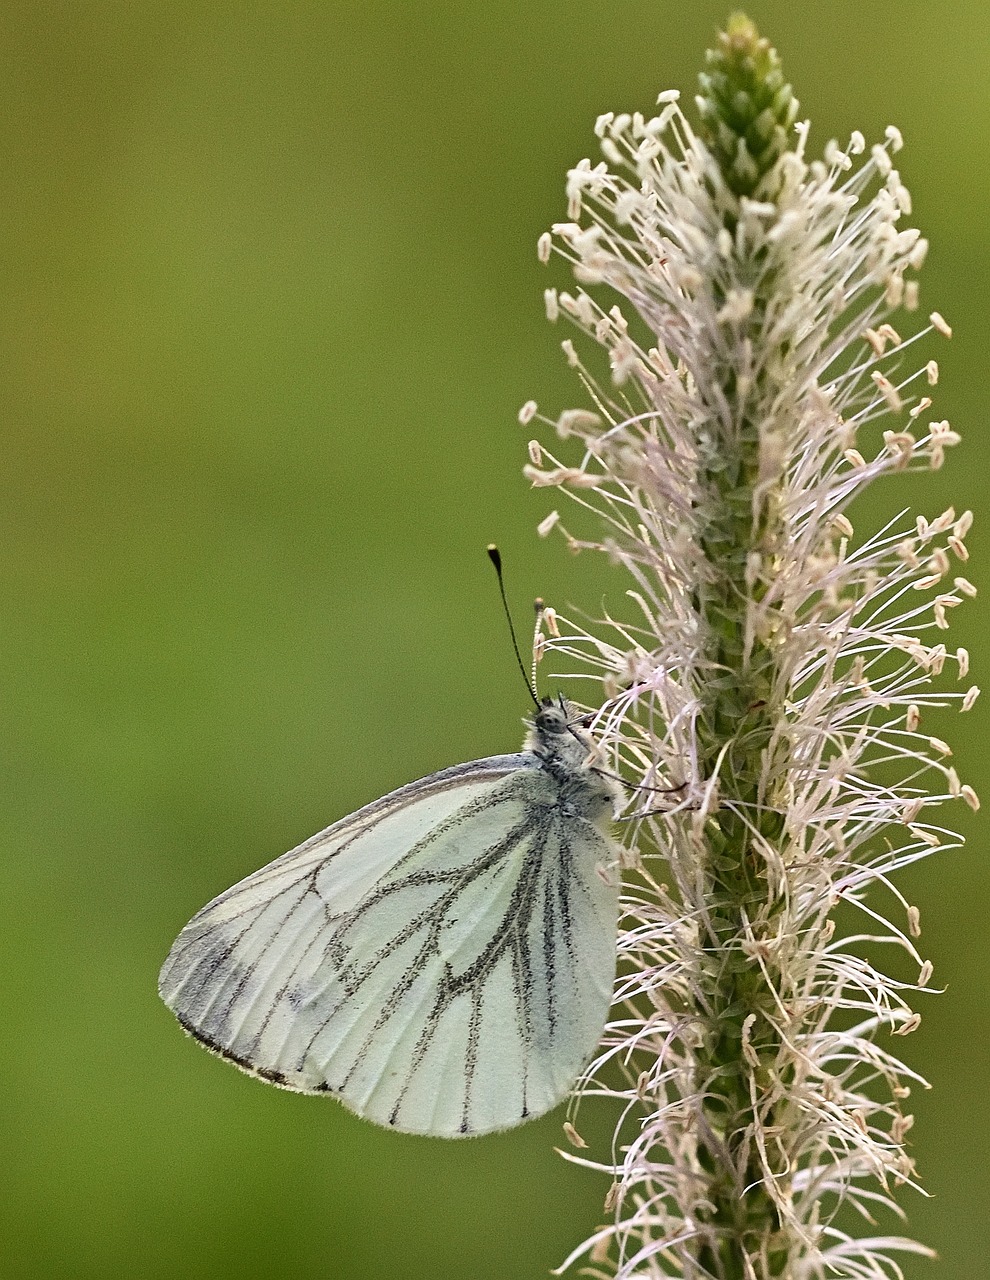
{"points": [[495, 557], [539, 606]]}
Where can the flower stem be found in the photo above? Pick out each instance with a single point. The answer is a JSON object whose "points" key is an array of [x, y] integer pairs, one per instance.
{"points": [[746, 108]]}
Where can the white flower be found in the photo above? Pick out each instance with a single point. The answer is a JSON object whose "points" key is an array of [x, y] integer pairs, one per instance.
{"points": [[766, 690]]}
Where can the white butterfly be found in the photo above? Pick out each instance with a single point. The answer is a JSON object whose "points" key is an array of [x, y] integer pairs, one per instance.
{"points": [[441, 961]]}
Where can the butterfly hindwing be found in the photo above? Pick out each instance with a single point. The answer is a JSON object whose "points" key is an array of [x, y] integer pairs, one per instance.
{"points": [[441, 960]]}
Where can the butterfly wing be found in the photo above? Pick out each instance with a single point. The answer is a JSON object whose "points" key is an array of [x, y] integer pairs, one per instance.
{"points": [[442, 960]]}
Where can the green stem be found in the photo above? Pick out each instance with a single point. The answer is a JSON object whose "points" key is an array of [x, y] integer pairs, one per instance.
{"points": [[747, 110]]}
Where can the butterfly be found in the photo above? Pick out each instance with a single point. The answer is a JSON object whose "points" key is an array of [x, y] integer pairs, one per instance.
{"points": [[441, 961]]}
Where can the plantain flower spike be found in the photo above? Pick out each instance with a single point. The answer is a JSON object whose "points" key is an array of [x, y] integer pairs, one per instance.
{"points": [[764, 675]]}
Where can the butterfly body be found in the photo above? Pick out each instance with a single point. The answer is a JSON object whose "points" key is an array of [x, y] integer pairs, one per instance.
{"points": [[441, 960]]}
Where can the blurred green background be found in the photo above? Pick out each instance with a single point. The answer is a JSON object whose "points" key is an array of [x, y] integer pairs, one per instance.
{"points": [[269, 306]]}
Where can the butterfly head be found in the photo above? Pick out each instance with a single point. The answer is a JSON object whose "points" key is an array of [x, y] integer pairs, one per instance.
{"points": [[560, 738], [551, 717], [558, 718], [560, 731]]}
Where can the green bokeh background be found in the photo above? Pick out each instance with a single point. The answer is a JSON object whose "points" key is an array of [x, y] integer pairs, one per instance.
{"points": [[269, 306]]}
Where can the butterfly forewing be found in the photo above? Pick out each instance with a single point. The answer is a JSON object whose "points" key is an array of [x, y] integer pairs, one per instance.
{"points": [[441, 961]]}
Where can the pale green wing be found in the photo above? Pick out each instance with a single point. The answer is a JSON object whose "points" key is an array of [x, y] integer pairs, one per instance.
{"points": [[441, 961]]}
